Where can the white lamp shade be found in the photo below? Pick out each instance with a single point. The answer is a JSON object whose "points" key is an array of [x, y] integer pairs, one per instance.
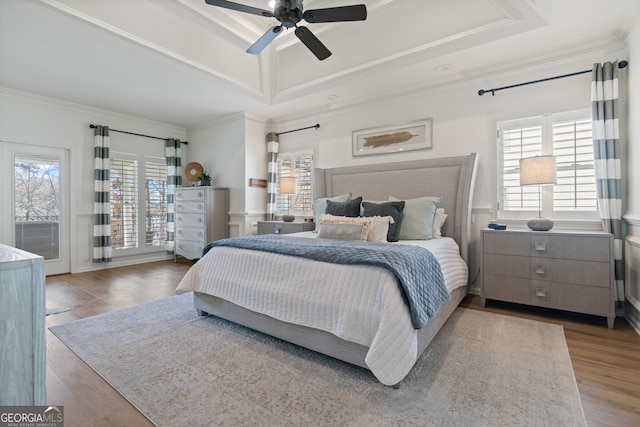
{"points": [[288, 185], [538, 170]]}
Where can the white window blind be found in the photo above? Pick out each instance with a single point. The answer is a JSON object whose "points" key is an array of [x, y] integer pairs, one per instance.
{"points": [[155, 203], [576, 183], [566, 136], [300, 166], [124, 203]]}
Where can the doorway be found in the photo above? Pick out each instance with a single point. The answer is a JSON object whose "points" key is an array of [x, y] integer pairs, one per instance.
{"points": [[37, 206]]}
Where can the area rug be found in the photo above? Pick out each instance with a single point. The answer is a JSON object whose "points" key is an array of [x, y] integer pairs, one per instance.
{"points": [[179, 369]]}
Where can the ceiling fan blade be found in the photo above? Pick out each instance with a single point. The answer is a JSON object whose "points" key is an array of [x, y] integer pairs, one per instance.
{"points": [[266, 38], [336, 14], [306, 36], [240, 7]]}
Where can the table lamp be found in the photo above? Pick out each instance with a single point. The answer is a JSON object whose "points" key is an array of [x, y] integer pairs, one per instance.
{"points": [[288, 187], [538, 170]]}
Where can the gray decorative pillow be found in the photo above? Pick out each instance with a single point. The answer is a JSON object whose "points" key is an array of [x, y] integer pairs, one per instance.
{"points": [[418, 218], [343, 231], [320, 206], [350, 208], [392, 209]]}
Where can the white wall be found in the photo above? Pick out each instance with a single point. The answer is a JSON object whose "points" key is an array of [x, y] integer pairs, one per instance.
{"points": [[233, 150], [28, 119]]}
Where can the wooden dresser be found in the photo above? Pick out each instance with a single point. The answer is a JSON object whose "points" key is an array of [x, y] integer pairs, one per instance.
{"points": [[22, 328], [201, 216], [570, 271]]}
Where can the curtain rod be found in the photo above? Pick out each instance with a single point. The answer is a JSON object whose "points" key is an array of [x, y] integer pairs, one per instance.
{"points": [[621, 64], [316, 126], [138, 134]]}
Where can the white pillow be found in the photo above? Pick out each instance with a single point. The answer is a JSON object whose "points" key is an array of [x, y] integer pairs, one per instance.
{"points": [[378, 226], [320, 206], [417, 218], [438, 222]]}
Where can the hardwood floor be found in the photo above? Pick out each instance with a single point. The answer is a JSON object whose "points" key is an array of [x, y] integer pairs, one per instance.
{"points": [[606, 362]]}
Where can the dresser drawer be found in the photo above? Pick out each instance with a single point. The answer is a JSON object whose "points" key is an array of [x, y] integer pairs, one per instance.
{"points": [[189, 220], [572, 297], [192, 234], [585, 273], [189, 194], [497, 242], [189, 249], [190, 207], [507, 265], [586, 248]]}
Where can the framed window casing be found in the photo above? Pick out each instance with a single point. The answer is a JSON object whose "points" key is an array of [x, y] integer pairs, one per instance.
{"points": [[299, 165], [567, 136]]}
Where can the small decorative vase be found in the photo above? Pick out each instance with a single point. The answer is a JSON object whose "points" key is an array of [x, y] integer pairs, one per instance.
{"points": [[288, 217]]}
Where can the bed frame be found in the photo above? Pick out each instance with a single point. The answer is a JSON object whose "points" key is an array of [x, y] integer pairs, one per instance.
{"points": [[452, 178]]}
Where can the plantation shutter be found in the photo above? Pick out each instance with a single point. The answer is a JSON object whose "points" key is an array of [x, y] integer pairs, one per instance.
{"points": [[299, 165], [573, 148], [124, 202], [156, 203]]}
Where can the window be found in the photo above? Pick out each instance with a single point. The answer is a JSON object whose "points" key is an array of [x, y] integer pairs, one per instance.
{"points": [[566, 136], [299, 165], [138, 201]]}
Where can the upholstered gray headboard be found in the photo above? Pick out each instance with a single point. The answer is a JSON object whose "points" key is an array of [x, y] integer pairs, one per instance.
{"points": [[451, 178]]}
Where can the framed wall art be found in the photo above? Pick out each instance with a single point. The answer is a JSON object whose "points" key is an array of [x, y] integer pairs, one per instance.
{"points": [[393, 139]]}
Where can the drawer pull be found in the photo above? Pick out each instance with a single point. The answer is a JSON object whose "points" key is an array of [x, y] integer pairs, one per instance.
{"points": [[200, 207], [199, 219], [540, 246], [200, 194], [539, 269], [541, 292]]}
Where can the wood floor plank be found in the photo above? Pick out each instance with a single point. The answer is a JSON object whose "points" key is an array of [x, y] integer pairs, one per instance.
{"points": [[606, 362]]}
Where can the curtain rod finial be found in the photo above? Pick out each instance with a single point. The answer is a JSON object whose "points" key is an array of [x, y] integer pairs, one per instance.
{"points": [[623, 64]]}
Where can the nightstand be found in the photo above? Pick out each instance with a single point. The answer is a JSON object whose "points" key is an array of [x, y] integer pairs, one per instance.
{"points": [[281, 227], [570, 271]]}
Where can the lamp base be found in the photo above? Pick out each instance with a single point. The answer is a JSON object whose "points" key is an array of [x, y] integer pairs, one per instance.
{"points": [[288, 217], [540, 224]]}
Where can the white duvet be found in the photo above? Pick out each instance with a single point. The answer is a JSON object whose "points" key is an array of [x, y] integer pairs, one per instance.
{"points": [[362, 304]]}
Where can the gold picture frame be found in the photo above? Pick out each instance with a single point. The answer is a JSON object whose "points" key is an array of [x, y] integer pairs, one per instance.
{"points": [[393, 139]]}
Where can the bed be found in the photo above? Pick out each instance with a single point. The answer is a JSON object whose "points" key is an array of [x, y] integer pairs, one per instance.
{"points": [[315, 304]]}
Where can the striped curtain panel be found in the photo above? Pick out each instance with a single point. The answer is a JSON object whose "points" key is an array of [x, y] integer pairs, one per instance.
{"points": [[272, 174], [172, 153], [102, 190], [607, 152]]}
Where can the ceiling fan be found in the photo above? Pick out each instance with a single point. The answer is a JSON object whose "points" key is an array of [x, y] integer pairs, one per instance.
{"points": [[289, 13]]}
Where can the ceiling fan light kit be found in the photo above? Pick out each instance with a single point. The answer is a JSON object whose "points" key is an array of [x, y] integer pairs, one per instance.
{"points": [[289, 13]]}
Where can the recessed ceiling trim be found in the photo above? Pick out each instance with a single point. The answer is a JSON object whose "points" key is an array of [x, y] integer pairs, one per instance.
{"points": [[223, 23], [257, 92], [394, 59]]}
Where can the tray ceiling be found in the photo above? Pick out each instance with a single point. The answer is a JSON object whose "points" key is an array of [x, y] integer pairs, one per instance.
{"points": [[183, 61]]}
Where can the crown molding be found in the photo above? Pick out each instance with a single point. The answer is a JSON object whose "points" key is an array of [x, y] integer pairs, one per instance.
{"points": [[87, 110]]}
